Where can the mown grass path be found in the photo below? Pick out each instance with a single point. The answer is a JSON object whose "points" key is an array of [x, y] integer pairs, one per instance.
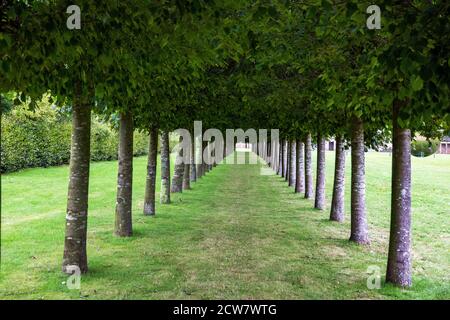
{"points": [[236, 235]]}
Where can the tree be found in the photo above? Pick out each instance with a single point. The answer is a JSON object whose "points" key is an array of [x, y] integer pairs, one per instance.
{"points": [[165, 168], [320, 176], [125, 177], [150, 187], [337, 212]]}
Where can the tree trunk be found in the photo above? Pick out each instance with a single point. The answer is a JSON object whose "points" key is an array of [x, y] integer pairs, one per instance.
{"points": [[337, 212], [77, 199], [300, 170], [359, 232], [292, 162], [308, 168], [288, 161], [205, 168], [199, 168], [178, 174], [187, 177], [125, 177], [282, 168], [399, 258], [165, 168], [320, 178], [225, 155], [193, 175], [278, 158], [150, 187]]}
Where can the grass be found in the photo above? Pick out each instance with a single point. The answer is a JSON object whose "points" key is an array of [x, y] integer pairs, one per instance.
{"points": [[236, 235]]}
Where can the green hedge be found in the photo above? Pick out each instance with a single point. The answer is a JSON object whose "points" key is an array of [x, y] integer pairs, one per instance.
{"points": [[423, 148], [42, 138]]}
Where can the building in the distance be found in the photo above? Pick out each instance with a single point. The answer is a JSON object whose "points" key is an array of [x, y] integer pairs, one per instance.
{"points": [[444, 145], [330, 144]]}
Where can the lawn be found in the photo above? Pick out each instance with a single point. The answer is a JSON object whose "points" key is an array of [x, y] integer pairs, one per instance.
{"points": [[236, 235]]}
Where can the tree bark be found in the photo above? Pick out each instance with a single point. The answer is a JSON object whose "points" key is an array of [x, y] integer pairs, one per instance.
{"points": [[300, 170], [308, 168], [205, 168], [199, 170], [337, 212], [278, 162], [292, 162], [150, 187], [193, 168], [359, 233], [178, 174], [288, 160], [320, 178], [187, 177], [199, 166], [77, 199], [165, 168], [125, 177], [225, 154], [282, 167], [399, 258]]}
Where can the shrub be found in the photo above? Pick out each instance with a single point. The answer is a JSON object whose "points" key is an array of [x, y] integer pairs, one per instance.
{"points": [[103, 142], [41, 138], [424, 148]]}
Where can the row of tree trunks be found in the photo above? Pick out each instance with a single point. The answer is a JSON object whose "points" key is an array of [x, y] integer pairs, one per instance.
{"points": [[294, 159], [150, 187], [399, 257], [75, 254], [123, 225], [320, 177], [337, 212]]}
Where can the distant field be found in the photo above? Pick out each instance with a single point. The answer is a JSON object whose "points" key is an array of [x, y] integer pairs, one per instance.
{"points": [[237, 235]]}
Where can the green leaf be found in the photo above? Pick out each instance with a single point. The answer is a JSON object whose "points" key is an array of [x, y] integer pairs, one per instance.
{"points": [[417, 83]]}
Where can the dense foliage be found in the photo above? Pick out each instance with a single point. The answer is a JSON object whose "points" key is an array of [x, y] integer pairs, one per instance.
{"points": [[41, 138]]}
